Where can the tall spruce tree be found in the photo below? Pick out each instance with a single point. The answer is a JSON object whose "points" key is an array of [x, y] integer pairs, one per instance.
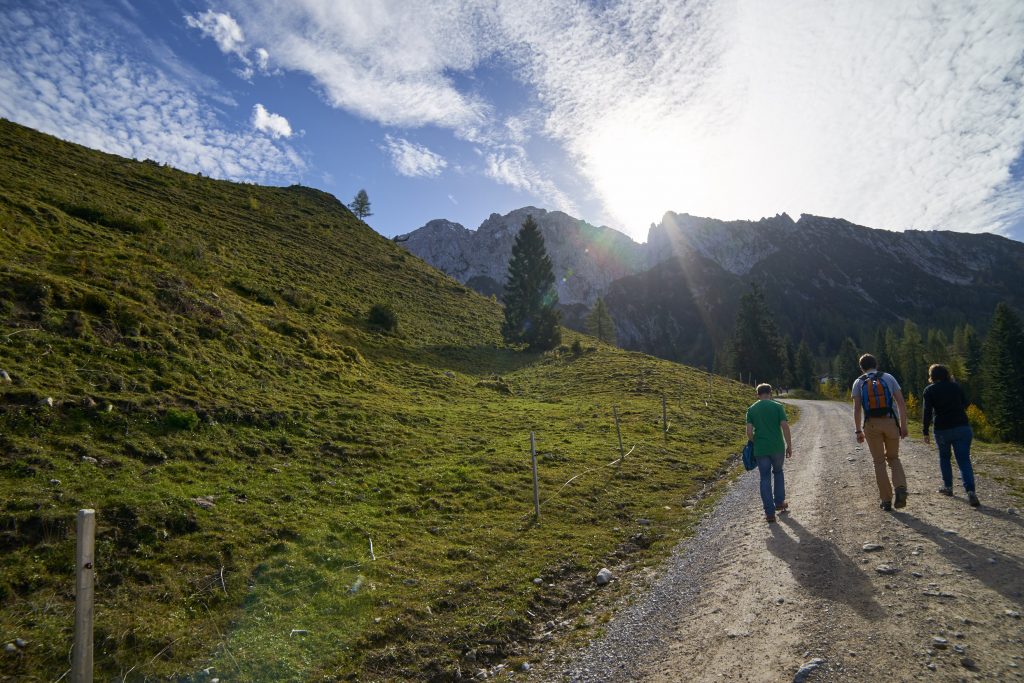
{"points": [[912, 360], [937, 347], [806, 377], [1003, 370], [600, 323], [845, 366], [974, 382], [892, 351], [789, 372], [881, 352], [755, 347], [530, 297]]}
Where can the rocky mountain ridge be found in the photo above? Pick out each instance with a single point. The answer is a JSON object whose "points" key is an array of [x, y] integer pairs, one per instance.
{"points": [[587, 259], [675, 295]]}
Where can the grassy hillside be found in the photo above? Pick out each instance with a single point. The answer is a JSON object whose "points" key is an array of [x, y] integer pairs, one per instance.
{"points": [[192, 358]]}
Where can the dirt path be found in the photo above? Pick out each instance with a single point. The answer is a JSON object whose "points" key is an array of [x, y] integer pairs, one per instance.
{"points": [[748, 601]]}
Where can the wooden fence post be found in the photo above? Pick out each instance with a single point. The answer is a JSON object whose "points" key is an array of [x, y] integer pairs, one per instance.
{"points": [[664, 418], [85, 552], [618, 433], [536, 487]]}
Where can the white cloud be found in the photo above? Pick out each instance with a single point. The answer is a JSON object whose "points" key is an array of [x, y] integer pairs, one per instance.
{"points": [[388, 61], [895, 115], [393, 62], [510, 165], [262, 59], [222, 28], [413, 160], [60, 74], [274, 125], [230, 38]]}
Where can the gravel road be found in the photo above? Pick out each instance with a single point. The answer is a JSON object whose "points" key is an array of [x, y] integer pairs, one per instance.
{"points": [[743, 600]]}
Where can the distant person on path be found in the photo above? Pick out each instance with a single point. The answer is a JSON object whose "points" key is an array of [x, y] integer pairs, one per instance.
{"points": [[880, 418], [768, 428], [947, 401]]}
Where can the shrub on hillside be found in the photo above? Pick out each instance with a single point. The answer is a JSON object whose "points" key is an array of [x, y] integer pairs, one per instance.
{"points": [[979, 424], [129, 322], [913, 406], [299, 299], [181, 419], [74, 325], [253, 291], [383, 317], [94, 303], [126, 223]]}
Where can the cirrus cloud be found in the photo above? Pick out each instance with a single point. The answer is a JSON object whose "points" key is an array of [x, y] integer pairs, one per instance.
{"points": [[222, 28], [61, 73], [413, 160]]}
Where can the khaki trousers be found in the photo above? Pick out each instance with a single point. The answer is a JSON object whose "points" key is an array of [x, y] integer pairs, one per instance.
{"points": [[883, 437]]}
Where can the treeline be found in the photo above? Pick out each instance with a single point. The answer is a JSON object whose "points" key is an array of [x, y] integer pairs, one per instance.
{"points": [[991, 370]]}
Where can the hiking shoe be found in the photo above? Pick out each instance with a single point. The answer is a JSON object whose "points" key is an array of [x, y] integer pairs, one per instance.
{"points": [[972, 498], [770, 519], [782, 507], [901, 497], [946, 490], [886, 505]]}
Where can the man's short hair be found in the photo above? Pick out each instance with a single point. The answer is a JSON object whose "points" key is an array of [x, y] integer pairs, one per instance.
{"points": [[763, 389], [938, 373], [868, 362]]}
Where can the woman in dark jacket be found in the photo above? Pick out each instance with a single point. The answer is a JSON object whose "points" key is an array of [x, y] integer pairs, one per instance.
{"points": [[946, 400]]}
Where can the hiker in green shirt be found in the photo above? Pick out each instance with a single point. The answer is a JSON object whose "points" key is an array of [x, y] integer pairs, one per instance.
{"points": [[768, 428]]}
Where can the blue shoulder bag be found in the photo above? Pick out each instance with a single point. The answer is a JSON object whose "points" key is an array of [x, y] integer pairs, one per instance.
{"points": [[749, 461]]}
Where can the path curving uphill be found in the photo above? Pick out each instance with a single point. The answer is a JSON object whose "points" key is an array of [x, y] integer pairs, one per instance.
{"points": [[746, 601]]}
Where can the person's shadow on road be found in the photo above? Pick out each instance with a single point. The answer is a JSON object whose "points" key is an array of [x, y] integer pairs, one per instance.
{"points": [[999, 514], [824, 570], [1003, 575]]}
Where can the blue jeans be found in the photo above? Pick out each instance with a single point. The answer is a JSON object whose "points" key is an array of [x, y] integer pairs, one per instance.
{"points": [[767, 465], [959, 440]]}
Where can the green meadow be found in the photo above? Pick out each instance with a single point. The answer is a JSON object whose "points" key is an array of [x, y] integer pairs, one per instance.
{"points": [[193, 359]]}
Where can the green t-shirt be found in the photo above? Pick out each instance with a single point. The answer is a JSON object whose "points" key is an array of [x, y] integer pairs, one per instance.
{"points": [[766, 416]]}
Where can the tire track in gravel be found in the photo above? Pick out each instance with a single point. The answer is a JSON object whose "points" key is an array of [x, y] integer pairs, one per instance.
{"points": [[746, 601]]}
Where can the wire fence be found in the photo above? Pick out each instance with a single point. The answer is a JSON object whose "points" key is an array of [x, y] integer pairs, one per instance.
{"points": [[617, 463]]}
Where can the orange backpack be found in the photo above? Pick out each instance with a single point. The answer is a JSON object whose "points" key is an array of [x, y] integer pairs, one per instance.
{"points": [[875, 395]]}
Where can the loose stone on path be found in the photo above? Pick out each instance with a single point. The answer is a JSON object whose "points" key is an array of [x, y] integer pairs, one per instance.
{"points": [[807, 669]]}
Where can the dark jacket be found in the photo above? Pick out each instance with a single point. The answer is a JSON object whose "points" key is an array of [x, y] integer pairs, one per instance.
{"points": [[946, 399]]}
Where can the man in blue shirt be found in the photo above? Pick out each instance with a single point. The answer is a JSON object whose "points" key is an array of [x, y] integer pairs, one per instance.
{"points": [[880, 418]]}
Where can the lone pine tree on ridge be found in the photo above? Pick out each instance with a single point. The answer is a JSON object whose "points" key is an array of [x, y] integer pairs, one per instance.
{"points": [[360, 205], [530, 297]]}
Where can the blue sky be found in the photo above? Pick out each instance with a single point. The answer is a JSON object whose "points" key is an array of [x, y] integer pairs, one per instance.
{"points": [[893, 115]]}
